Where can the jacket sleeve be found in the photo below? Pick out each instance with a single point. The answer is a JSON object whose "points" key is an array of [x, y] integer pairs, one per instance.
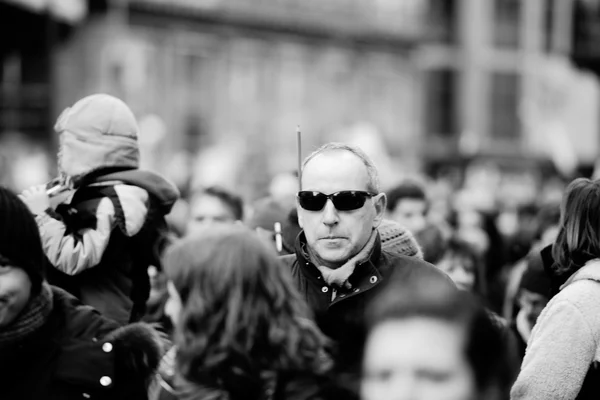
{"points": [[74, 253], [559, 354]]}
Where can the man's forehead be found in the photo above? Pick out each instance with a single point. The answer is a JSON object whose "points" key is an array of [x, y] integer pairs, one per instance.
{"points": [[335, 156], [339, 166]]}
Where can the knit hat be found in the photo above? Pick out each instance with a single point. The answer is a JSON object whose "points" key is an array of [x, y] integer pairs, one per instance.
{"points": [[398, 240], [97, 131], [20, 243]]}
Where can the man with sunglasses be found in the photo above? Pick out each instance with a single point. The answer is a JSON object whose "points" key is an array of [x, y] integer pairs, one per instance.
{"points": [[339, 265]]}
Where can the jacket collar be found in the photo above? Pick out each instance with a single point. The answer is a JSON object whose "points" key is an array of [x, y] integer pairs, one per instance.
{"points": [[303, 260], [589, 271], [365, 276]]}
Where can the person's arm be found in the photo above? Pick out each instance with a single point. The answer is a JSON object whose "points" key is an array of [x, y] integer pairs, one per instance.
{"points": [[559, 354], [73, 253]]}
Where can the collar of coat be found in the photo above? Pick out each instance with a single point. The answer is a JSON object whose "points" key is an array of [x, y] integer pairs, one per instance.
{"points": [[589, 271], [366, 275]]}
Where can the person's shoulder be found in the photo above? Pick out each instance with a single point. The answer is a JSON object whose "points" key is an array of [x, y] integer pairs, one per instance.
{"points": [[412, 268], [96, 350], [408, 262], [80, 320]]}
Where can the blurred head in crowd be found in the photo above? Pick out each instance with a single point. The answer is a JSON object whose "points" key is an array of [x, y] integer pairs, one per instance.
{"points": [[462, 264], [429, 343], [237, 313], [547, 224], [283, 188], [213, 204], [578, 239], [21, 257], [534, 292], [98, 131], [266, 214], [407, 204], [432, 240], [340, 203]]}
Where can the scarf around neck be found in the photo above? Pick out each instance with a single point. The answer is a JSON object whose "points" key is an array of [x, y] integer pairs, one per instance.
{"points": [[33, 317], [339, 276]]}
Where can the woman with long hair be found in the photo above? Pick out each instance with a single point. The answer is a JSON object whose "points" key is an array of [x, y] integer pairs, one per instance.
{"points": [[241, 329], [563, 352]]}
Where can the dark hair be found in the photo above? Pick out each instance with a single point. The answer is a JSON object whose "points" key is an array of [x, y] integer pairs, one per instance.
{"points": [[233, 201], [485, 346], [242, 318], [578, 239], [20, 243], [408, 189]]}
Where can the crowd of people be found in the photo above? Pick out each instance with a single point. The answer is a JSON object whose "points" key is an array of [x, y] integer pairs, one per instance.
{"points": [[339, 290]]}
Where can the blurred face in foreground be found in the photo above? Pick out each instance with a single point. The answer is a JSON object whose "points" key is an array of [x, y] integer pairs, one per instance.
{"points": [[337, 235], [418, 359], [15, 289]]}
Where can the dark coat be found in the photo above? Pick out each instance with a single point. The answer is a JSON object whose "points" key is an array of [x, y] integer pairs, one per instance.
{"points": [[343, 318], [79, 354]]}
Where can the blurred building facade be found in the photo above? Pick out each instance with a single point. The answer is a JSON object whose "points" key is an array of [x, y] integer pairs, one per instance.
{"points": [[237, 77], [500, 83], [219, 86]]}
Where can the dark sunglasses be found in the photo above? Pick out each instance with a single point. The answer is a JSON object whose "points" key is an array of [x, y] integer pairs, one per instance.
{"points": [[345, 200]]}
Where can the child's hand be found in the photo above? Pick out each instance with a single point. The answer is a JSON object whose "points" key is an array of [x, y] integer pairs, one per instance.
{"points": [[36, 199]]}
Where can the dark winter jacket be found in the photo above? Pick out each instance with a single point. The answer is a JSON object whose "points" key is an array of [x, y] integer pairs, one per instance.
{"points": [[343, 318], [102, 241], [79, 354]]}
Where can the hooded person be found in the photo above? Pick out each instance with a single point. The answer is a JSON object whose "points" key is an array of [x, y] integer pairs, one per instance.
{"points": [[110, 227], [52, 346]]}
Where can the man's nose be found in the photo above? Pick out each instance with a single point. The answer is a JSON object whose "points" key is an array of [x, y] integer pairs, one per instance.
{"points": [[330, 214]]}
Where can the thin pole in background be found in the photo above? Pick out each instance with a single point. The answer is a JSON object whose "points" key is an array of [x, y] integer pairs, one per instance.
{"points": [[299, 138]]}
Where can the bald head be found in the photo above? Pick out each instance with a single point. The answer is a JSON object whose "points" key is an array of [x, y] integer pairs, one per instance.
{"points": [[348, 153]]}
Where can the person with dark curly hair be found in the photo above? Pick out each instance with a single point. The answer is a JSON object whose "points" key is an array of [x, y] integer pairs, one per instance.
{"points": [[563, 351], [242, 331]]}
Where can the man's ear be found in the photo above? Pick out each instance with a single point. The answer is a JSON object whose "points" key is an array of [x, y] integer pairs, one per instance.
{"points": [[299, 212], [380, 202]]}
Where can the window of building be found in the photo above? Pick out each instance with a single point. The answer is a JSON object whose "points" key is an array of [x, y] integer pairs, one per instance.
{"points": [[441, 21], [440, 110], [507, 22], [548, 27], [504, 106]]}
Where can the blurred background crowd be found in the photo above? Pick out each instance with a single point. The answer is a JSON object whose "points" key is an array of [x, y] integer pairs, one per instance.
{"points": [[477, 112]]}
